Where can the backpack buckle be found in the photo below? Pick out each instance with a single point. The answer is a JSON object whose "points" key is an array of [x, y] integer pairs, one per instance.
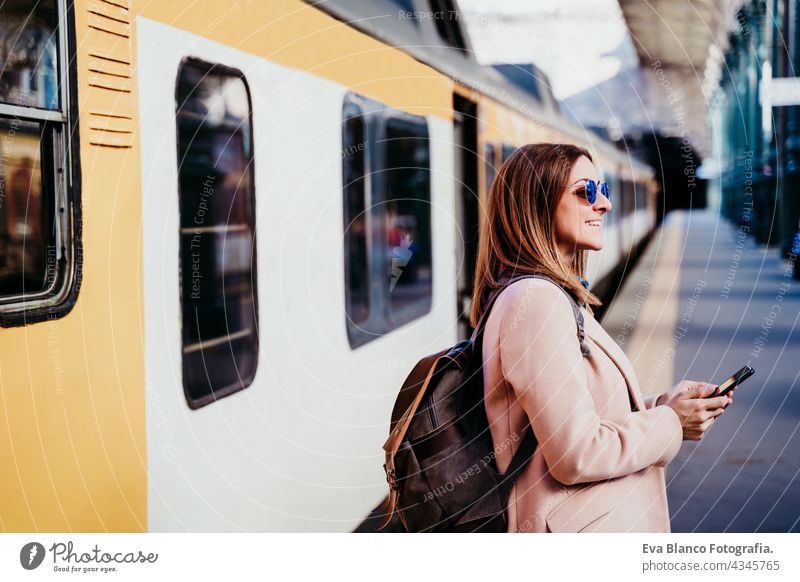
{"points": [[391, 478]]}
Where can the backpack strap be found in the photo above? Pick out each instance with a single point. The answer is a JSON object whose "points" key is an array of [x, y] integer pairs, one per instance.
{"points": [[527, 447], [576, 310], [392, 444], [518, 462]]}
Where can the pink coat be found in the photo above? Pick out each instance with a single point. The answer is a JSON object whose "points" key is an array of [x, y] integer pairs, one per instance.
{"points": [[598, 466]]}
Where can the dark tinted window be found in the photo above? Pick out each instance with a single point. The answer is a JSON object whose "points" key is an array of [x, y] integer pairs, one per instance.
{"points": [[626, 197], [507, 151], [406, 211], [26, 229], [640, 196], [39, 268], [356, 216], [447, 19], [613, 186], [217, 232]]}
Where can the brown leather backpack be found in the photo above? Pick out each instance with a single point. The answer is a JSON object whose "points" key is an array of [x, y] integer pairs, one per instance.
{"points": [[440, 459]]}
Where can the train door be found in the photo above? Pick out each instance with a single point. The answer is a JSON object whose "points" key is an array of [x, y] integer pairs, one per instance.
{"points": [[465, 129]]}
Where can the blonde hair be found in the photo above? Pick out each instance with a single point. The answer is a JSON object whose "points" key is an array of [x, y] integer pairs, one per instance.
{"points": [[519, 235]]}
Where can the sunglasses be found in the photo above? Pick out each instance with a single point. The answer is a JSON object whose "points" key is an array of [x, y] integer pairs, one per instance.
{"points": [[590, 191]]}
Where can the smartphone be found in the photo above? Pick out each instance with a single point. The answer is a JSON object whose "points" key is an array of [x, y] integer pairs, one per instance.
{"points": [[733, 381]]}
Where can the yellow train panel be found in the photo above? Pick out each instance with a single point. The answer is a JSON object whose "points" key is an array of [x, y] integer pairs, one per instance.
{"points": [[294, 34], [72, 390], [503, 125]]}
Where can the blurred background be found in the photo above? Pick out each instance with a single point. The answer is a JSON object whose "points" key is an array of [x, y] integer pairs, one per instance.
{"points": [[647, 74]]}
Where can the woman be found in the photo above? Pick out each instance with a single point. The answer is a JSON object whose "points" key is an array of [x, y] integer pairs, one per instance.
{"points": [[602, 447]]}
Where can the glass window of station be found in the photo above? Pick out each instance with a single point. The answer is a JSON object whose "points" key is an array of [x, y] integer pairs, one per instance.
{"points": [[39, 212], [218, 288], [388, 258]]}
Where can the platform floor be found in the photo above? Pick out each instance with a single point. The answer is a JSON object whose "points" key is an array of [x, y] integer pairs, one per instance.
{"points": [[703, 301]]}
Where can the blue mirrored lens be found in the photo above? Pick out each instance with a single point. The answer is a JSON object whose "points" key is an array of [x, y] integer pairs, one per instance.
{"points": [[605, 191], [591, 191]]}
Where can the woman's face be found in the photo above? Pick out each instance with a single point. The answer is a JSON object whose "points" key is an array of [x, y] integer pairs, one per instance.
{"points": [[578, 224]]}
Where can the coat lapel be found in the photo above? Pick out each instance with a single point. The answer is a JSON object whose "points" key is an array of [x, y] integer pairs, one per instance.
{"points": [[616, 355]]}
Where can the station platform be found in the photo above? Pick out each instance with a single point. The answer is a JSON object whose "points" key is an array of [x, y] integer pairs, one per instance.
{"points": [[703, 301]]}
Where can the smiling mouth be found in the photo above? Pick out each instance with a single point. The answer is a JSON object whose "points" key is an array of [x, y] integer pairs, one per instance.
{"points": [[594, 222]]}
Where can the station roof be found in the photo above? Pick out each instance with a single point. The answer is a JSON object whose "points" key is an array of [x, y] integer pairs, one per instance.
{"points": [[686, 40], [679, 33]]}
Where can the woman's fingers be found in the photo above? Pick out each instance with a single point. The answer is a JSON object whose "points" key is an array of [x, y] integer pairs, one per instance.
{"points": [[711, 414], [712, 403], [694, 435], [699, 423], [704, 389]]}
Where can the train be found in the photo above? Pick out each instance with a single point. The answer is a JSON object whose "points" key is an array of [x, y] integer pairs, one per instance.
{"points": [[227, 233]]}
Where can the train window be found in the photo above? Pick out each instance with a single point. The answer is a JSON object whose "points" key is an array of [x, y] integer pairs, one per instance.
{"points": [[630, 194], [506, 151], [29, 76], [217, 231], [626, 198], [408, 8], [613, 185], [488, 153], [386, 190], [640, 196], [406, 210], [448, 23], [39, 215], [357, 223]]}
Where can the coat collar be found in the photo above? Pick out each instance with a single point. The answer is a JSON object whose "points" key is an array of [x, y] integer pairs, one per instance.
{"points": [[600, 337]]}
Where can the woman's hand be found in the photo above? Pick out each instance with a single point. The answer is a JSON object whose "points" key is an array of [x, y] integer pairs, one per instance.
{"points": [[695, 411]]}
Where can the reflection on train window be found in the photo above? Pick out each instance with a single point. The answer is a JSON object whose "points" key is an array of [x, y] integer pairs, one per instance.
{"points": [[386, 189], [25, 233], [217, 232], [488, 154], [38, 266], [356, 217], [506, 151], [29, 75], [406, 209]]}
